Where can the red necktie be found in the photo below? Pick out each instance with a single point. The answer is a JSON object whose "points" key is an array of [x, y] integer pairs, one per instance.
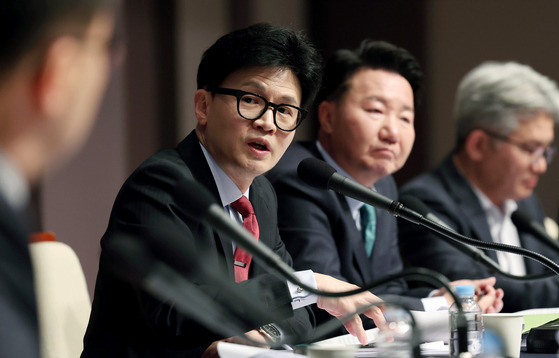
{"points": [[243, 258]]}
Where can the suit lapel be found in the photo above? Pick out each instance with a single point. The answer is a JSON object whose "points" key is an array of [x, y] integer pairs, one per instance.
{"points": [[468, 204], [189, 149], [352, 236], [267, 228]]}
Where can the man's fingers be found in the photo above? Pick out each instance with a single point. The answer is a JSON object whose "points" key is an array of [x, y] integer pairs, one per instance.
{"points": [[500, 293], [375, 313], [487, 300], [355, 327]]}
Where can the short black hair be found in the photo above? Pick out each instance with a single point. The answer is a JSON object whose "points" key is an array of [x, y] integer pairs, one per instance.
{"points": [[265, 45], [26, 23], [377, 55]]}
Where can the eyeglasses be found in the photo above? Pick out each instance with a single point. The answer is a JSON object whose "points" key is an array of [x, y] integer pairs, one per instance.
{"points": [[535, 151], [252, 106]]}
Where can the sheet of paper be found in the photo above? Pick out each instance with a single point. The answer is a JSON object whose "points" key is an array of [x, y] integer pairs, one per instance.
{"points": [[230, 350], [538, 316], [349, 339], [433, 327], [536, 320]]}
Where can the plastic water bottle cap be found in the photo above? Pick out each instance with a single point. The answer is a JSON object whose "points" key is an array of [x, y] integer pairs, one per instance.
{"points": [[465, 290]]}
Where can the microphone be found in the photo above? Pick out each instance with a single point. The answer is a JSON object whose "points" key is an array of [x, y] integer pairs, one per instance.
{"points": [[417, 205], [321, 175], [524, 222]]}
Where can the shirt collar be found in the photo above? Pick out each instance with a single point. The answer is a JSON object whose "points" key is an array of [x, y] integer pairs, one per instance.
{"points": [[227, 189], [13, 186], [509, 205]]}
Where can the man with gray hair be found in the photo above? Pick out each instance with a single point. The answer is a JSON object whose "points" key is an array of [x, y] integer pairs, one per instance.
{"points": [[505, 118]]}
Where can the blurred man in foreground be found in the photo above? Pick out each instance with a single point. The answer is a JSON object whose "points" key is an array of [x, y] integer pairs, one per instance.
{"points": [[54, 65]]}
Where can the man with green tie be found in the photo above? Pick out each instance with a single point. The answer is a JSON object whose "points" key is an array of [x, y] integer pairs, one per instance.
{"points": [[366, 111]]}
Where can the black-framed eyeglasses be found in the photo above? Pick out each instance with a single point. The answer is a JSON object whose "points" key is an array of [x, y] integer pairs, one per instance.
{"points": [[252, 106], [536, 151]]}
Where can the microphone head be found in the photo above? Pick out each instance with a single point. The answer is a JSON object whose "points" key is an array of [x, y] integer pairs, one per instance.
{"points": [[415, 204], [521, 220], [315, 173]]}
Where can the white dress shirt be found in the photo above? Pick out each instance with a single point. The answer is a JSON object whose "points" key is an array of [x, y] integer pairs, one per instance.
{"points": [[503, 231]]}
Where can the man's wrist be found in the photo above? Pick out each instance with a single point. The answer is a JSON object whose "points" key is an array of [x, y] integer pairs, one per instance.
{"points": [[301, 297], [271, 333]]}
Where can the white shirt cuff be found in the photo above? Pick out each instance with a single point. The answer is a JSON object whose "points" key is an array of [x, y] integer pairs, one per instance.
{"points": [[432, 304], [301, 297]]}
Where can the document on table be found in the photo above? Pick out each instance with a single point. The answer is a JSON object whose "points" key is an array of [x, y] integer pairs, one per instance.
{"points": [[538, 316], [433, 328], [231, 350]]}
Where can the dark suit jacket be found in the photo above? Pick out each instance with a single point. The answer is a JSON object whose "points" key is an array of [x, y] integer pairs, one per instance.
{"points": [[19, 330], [320, 232], [448, 194], [128, 323]]}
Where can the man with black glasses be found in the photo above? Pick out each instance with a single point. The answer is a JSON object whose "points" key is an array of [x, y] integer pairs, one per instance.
{"points": [[505, 116], [252, 87]]}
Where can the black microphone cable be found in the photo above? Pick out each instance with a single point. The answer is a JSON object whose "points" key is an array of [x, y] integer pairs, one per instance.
{"points": [[524, 222], [175, 260], [320, 174], [133, 261], [142, 263], [417, 205], [411, 274], [203, 207], [441, 230]]}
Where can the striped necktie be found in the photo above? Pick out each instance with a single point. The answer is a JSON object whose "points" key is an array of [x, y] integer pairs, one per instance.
{"points": [[242, 258]]}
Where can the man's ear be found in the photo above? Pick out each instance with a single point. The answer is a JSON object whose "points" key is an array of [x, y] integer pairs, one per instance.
{"points": [[325, 117], [54, 78], [476, 145], [202, 101]]}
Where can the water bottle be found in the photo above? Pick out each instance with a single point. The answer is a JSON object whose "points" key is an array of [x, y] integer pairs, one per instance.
{"points": [[472, 313]]}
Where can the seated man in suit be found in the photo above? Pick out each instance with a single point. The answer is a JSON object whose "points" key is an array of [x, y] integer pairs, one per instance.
{"points": [[54, 66], [505, 117], [253, 86], [366, 114]]}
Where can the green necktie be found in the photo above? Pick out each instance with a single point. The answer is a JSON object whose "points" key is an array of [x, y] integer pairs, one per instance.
{"points": [[368, 227]]}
